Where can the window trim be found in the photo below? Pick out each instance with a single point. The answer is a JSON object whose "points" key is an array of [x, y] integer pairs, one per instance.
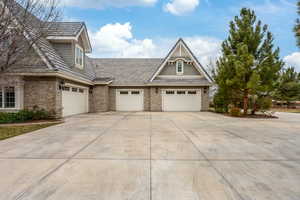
{"points": [[177, 67], [16, 96], [78, 65]]}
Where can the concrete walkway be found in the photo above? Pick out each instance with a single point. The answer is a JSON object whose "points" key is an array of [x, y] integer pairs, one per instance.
{"points": [[155, 156]]}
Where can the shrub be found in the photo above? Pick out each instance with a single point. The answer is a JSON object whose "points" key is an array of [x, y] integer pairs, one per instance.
{"points": [[264, 103], [220, 103], [23, 116], [235, 112]]}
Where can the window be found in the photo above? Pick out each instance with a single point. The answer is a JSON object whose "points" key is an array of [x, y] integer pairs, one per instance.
{"points": [[79, 57], [135, 92], [74, 89], [123, 92], [179, 67], [66, 88], [81, 90], [192, 92], [180, 92], [7, 97], [170, 92]]}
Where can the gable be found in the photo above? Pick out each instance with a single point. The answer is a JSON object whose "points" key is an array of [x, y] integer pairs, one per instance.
{"points": [[192, 67]]}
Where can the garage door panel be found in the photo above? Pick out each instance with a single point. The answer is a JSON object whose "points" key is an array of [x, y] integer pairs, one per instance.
{"points": [[74, 101], [181, 100], [129, 100]]}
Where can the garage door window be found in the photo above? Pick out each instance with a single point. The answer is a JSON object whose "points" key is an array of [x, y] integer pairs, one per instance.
{"points": [[192, 92], [170, 92], [74, 89], [124, 92], [181, 92], [135, 92], [81, 91], [66, 88]]}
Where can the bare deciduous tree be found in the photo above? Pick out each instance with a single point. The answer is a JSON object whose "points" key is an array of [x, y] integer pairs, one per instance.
{"points": [[22, 24]]}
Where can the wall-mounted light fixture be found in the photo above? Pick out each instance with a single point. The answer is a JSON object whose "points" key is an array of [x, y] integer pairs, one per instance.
{"points": [[61, 85], [91, 90], [156, 90]]}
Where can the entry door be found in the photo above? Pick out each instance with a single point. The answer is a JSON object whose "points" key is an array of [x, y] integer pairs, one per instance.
{"points": [[129, 100], [181, 100]]}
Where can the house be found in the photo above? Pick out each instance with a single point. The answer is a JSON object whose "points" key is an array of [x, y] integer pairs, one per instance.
{"points": [[65, 81]]}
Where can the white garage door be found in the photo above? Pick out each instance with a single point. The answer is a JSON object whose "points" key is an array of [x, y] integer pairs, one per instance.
{"points": [[129, 100], [181, 100], [74, 100]]}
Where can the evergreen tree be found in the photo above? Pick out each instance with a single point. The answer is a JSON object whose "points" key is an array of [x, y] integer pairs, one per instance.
{"points": [[288, 88], [297, 26], [249, 65]]}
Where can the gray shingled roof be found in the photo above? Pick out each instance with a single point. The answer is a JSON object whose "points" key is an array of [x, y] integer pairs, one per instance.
{"points": [[131, 71], [65, 28]]}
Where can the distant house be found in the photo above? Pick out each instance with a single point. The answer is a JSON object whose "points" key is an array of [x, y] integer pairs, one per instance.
{"points": [[66, 81]]}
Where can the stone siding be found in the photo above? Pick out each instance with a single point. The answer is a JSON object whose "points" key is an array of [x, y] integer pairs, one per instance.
{"points": [[43, 92], [100, 99], [155, 99], [205, 99]]}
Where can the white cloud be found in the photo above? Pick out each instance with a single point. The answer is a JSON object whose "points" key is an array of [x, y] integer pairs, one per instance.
{"points": [[206, 49], [100, 4], [181, 7], [293, 60], [117, 41]]}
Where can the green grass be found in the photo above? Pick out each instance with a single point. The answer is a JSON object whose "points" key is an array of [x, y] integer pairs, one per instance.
{"points": [[286, 110], [12, 131]]}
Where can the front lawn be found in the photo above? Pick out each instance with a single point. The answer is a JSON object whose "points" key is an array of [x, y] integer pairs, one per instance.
{"points": [[12, 131]]}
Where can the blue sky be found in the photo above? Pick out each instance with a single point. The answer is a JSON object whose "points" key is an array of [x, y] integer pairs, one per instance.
{"points": [[148, 28]]}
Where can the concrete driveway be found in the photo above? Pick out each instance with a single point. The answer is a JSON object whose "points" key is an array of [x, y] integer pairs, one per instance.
{"points": [[155, 156]]}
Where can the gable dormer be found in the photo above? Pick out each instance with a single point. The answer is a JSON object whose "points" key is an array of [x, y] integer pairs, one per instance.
{"points": [[71, 41], [180, 64]]}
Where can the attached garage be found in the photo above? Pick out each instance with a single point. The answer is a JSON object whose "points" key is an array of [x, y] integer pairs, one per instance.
{"points": [[181, 100], [74, 100], [130, 100]]}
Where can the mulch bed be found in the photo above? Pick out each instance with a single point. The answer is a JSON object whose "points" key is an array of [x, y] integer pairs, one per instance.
{"points": [[256, 116]]}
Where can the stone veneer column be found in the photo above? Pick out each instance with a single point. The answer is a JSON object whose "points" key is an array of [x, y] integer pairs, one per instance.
{"points": [[155, 99], [205, 99], [100, 98]]}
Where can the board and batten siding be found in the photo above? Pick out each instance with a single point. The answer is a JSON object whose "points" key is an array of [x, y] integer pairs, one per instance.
{"points": [[170, 69]]}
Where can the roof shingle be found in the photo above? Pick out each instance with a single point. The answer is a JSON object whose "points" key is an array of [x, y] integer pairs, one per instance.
{"points": [[127, 71]]}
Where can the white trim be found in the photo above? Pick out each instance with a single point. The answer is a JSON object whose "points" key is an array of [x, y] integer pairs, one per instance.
{"points": [[61, 38], [80, 66], [75, 86], [198, 67], [182, 67], [76, 38], [18, 90], [64, 75], [180, 77]]}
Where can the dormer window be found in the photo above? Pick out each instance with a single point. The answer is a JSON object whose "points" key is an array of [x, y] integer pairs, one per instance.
{"points": [[179, 67], [79, 57]]}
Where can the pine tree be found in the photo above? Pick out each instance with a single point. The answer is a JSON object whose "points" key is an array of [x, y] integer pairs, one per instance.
{"points": [[297, 26], [288, 88], [249, 66]]}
